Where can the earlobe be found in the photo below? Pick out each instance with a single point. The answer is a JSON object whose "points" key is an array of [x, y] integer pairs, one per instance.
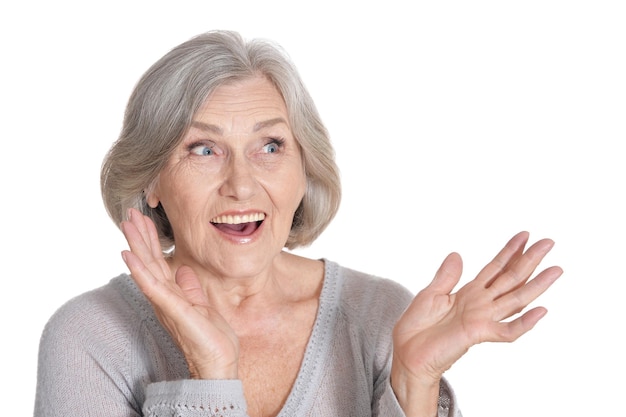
{"points": [[151, 195], [152, 200]]}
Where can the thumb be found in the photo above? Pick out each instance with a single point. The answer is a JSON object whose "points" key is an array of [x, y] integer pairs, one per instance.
{"points": [[448, 274], [189, 283]]}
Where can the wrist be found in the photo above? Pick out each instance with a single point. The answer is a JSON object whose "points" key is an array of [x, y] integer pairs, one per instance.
{"points": [[213, 372], [418, 395]]}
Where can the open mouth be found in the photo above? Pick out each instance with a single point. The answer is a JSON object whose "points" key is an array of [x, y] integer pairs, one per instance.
{"points": [[238, 225]]}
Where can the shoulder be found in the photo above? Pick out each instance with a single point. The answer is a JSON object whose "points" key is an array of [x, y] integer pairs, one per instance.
{"points": [[370, 297], [104, 318], [368, 307], [107, 303], [107, 341]]}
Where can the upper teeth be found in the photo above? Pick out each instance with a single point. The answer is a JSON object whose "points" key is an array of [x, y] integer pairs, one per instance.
{"points": [[237, 219]]}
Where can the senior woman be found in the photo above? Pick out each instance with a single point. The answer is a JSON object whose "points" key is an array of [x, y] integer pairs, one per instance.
{"points": [[222, 163]]}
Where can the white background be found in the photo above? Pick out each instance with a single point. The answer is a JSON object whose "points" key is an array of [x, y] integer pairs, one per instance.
{"points": [[456, 125]]}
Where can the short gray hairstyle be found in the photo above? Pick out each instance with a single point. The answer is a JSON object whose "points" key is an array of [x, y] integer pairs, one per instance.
{"points": [[168, 95]]}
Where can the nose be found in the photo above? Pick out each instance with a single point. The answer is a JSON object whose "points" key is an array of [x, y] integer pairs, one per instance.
{"points": [[239, 182]]}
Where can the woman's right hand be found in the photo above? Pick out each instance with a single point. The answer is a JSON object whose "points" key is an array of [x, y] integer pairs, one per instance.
{"points": [[208, 343]]}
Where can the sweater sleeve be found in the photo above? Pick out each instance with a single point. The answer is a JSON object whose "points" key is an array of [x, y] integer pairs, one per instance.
{"points": [[388, 404], [73, 381], [94, 361], [191, 398], [77, 375]]}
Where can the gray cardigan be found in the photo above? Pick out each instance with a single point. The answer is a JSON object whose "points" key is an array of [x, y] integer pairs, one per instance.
{"points": [[104, 353]]}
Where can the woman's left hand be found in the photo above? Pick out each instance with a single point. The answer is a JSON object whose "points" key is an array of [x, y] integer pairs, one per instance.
{"points": [[439, 326]]}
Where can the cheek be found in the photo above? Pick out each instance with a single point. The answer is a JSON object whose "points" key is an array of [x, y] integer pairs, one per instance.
{"points": [[298, 180], [285, 192], [180, 198], [297, 187]]}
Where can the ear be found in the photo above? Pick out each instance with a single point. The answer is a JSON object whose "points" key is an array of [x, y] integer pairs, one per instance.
{"points": [[152, 193]]}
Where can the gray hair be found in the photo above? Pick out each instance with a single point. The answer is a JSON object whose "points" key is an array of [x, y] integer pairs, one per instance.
{"points": [[160, 111]]}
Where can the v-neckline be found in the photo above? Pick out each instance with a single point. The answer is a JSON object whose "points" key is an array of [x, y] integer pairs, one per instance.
{"points": [[318, 344]]}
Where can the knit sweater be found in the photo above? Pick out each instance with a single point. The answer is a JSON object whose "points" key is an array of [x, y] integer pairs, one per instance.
{"points": [[104, 353]]}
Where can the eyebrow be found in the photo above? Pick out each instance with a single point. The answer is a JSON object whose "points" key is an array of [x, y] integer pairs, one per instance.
{"points": [[269, 123], [207, 127]]}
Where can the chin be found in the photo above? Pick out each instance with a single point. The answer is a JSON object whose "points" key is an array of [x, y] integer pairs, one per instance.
{"points": [[244, 263]]}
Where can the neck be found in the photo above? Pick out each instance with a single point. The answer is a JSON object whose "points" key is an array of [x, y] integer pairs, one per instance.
{"points": [[251, 289]]}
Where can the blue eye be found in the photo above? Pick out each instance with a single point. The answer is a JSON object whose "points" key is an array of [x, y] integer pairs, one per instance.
{"points": [[274, 146], [202, 150], [270, 148]]}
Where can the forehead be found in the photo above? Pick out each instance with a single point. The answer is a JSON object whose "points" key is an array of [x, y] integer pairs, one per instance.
{"points": [[252, 98]]}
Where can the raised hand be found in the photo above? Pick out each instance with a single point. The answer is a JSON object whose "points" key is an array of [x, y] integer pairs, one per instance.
{"points": [[209, 344], [439, 326]]}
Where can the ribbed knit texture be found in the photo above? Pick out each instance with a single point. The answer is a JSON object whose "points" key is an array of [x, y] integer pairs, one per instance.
{"points": [[104, 353]]}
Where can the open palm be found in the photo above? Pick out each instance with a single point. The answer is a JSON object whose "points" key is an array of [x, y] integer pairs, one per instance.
{"points": [[439, 326], [208, 343]]}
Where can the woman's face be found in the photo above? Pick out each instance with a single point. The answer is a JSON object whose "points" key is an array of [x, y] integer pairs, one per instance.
{"points": [[232, 186]]}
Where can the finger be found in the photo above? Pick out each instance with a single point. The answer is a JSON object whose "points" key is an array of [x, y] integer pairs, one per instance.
{"points": [[139, 246], [164, 296], [516, 301], [518, 273], [143, 241], [147, 230], [511, 331], [431, 298], [134, 217], [448, 274], [189, 283], [134, 238], [146, 281], [513, 249], [151, 234]]}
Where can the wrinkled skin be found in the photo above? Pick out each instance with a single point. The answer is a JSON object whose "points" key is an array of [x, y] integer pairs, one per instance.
{"points": [[437, 328], [435, 331]]}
